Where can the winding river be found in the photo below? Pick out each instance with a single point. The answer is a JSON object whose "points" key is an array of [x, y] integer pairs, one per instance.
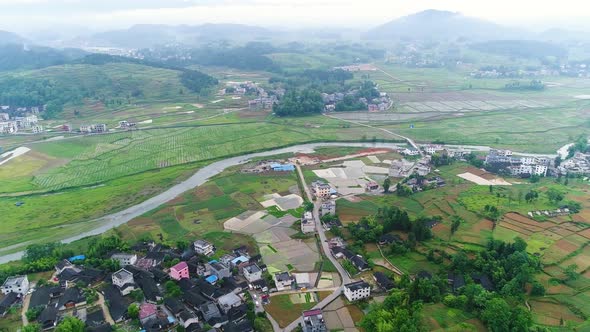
{"points": [[203, 175]]}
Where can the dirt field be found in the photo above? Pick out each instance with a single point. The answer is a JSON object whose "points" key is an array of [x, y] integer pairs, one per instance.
{"points": [[477, 179]]}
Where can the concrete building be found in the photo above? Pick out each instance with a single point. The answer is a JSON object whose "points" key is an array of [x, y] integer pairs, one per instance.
{"points": [[357, 291], [252, 273], [125, 259], [283, 280], [308, 223], [321, 189], [313, 321], [16, 284], [123, 279], [203, 247], [179, 271], [328, 207]]}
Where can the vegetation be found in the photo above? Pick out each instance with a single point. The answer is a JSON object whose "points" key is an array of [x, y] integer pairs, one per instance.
{"points": [[299, 103]]}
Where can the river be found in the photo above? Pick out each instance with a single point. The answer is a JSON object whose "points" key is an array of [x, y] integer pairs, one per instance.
{"points": [[203, 175]]}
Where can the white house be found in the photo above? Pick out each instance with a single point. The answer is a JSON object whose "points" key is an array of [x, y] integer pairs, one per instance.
{"points": [[410, 152], [16, 284], [252, 273], [125, 259], [203, 247], [228, 301], [307, 223], [357, 291], [283, 280], [123, 279]]}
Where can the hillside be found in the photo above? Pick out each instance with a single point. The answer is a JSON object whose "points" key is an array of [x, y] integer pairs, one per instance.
{"points": [[15, 56], [148, 35], [108, 83], [10, 38], [435, 24]]}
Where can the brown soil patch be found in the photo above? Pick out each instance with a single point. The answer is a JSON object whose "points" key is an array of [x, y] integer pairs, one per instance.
{"points": [[207, 192], [561, 231], [549, 313], [515, 228], [566, 246], [524, 220], [141, 222], [578, 218], [585, 233], [483, 225]]}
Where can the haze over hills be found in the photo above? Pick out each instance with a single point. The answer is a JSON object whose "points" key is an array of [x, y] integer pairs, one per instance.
{"points": [[148, 35], [436, 24], [7, 37]]}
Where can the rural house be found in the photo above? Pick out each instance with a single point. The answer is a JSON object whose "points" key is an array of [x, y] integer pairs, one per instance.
{"points": [[16, 284], [179, 271], [283, 280], [252, 273], [357, 291], [203, 247], [123, 279], [125, 259]]}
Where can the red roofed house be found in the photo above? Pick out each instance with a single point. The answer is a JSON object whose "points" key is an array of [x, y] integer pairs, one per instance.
{"points": [[179, 271], [146, 311]]}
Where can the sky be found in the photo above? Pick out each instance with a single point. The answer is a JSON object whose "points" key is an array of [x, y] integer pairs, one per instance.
{"points": [[83, 15]]}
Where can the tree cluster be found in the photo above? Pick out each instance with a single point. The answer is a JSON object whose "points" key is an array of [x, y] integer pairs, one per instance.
{"points": [[298, 103]]}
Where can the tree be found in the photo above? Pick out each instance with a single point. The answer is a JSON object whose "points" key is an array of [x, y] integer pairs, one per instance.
{"points": [[133, 311], [172, 289], [496, 315], [308, 206], [70, 324], [137, 295], [31, 328], [33, 313], [571, 272], [538, 289], [455, 224], [555, 196], [386, 184], [531, 196]]}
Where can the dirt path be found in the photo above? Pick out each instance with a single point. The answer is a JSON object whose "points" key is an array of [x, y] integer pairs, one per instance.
{"points": [[105, 310], [25, 308]]}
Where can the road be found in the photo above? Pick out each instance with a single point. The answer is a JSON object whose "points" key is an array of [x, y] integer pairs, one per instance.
{"points": [[407, 139], [105, 311], [321, 232]]}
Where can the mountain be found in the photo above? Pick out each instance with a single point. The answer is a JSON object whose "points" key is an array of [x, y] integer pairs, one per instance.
{"points": [[17, 56], [149, 35], [435, 25], [10, 38]]}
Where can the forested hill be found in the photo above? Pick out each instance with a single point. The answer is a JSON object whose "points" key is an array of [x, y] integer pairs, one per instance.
{"points": [[112, 81], [18, 56]]}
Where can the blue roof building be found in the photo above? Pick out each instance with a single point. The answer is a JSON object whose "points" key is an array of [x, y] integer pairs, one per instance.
{"points": [[212, 279], [283, 167], [77, 258]]}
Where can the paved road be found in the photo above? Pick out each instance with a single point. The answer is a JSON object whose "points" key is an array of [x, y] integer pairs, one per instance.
{"points": [[321, 232], [407, 139]]}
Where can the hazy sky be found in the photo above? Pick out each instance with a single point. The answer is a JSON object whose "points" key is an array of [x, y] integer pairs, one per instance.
{"points": [[21, 15]]}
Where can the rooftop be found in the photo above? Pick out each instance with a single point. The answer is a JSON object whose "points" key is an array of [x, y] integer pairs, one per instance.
{"points": [[180, 266], [252, 268], [14, 281], [123, 274], [354, 286]]}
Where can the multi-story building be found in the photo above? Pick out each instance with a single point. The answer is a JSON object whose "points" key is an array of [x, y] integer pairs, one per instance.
{"points": [[321, 189], [179, 271], [313, 321], [252, 273], [283, 280], [16, 284], [203, 247], [123, 280], [308, 223], [357, 291], [125, 259]]}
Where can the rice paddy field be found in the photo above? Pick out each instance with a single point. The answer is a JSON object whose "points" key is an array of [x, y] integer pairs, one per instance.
{"points": [[559, 241]]}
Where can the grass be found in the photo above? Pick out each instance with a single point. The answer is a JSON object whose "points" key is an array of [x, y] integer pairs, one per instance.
{"points": [[272, 248], [284, 311], [11, 322], [442, 318]]}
